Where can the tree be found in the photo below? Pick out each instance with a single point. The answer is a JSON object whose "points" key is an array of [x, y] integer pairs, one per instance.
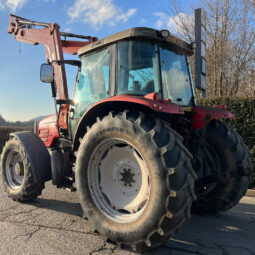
{"points": [[2, 121], [230, 44]]}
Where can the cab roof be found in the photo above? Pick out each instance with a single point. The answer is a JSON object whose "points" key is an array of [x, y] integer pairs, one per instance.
{"points": [[139, 33]]}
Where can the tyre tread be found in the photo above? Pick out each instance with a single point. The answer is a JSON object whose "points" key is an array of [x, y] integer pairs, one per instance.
{"points": [[169, 222]]}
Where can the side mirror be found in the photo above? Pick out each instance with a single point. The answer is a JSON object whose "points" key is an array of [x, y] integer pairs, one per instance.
{"points": [[47, 73]]}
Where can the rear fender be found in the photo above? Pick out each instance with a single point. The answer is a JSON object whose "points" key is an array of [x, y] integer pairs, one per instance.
{"points": [[37, 154], [217, 112], [121, 103]]}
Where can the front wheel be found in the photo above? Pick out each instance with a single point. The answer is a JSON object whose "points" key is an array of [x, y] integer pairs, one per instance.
{"points": [[134, 179], [16, 171]]}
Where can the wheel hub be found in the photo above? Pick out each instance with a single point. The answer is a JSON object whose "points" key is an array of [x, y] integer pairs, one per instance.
{"points": [[19, 169], [127, 177]]}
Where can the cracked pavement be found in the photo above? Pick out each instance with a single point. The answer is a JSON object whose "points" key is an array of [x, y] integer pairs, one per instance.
{"points": [[53, 225]]}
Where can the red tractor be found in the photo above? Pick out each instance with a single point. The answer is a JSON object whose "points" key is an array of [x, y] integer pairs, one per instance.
{"points": [[132, 140]]}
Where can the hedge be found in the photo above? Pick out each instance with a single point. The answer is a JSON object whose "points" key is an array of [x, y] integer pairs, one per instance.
{"points": [[5, 131], [244, 123]]}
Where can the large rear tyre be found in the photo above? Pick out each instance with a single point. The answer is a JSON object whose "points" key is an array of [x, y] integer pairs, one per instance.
{"points": [[16, 173], [134, 179], [232, 172]]}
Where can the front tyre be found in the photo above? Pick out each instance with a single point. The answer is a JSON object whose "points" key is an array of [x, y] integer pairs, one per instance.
{"points": [[134, 179], [17, 173]]}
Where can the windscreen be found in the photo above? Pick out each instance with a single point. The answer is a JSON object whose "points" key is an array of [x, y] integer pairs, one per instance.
{"points": [[142, 70], [138, 68]]}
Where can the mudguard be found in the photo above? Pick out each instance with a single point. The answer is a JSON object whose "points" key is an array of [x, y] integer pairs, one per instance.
{"points": [[216, 112], [37, 154], [150, 101]]}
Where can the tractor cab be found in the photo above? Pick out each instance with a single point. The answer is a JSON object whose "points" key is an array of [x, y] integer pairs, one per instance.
{"points": [[136, 62]]}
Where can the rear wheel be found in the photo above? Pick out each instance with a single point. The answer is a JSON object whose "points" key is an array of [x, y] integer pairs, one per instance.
{"points": [[228, 157], [134, 179], [17, 174]]}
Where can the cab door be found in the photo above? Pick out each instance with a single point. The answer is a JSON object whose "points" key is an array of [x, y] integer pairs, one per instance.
{"points": [[92, 85]]}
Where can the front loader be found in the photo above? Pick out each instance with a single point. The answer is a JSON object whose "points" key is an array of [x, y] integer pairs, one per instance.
{"points": [[131, 140]]}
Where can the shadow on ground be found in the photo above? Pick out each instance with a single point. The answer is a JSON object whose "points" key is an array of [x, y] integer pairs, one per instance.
{"points": [[226, 233], [58, 206]]}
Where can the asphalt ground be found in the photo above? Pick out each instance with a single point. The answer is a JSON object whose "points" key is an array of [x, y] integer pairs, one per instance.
{"points": [[53, 225]]}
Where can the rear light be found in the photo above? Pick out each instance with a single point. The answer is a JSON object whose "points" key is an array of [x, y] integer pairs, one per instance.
{"points": [[154, 96], [157, 96]]}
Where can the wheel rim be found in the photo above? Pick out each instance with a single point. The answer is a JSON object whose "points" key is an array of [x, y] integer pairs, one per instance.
{"points": [[14, 170], [118, 180]]}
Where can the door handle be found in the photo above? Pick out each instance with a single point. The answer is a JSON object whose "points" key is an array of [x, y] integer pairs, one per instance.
{"points": [[71, 113]]}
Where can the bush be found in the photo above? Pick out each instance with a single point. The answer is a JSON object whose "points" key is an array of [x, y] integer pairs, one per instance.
{"points": [[244, 123]]}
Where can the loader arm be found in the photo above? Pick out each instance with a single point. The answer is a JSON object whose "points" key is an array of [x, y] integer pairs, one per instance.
{"points": [[49, 35]]}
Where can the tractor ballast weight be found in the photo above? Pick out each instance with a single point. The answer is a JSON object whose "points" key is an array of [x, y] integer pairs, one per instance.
{"points": [[132, 139]]}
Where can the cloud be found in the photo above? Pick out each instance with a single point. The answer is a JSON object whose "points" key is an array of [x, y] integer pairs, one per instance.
{"points": [[99, 12], [174, 23], [13, 5], [1, 6], [125, 16]]}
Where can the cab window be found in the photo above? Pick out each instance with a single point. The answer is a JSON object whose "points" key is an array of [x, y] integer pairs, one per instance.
{"points": [[93, 82]]}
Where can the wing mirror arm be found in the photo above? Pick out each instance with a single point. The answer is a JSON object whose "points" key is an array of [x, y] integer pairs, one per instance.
{"points": [[69, 62], [65, 101]]}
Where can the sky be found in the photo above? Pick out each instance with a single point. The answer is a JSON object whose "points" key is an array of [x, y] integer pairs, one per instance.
{"points": [[22, 95]]}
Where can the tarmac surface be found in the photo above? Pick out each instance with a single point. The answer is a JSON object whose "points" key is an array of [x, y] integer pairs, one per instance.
{"points": [[52, 225]]}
